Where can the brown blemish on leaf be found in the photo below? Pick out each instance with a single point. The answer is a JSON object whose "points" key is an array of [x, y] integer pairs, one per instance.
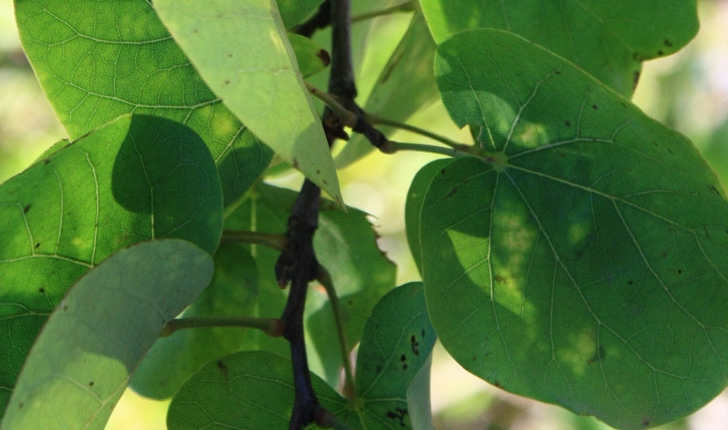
{"points": [[567, 123], [223, 368], [501, 279], [26, 209], [324, 57], [595, 107]]}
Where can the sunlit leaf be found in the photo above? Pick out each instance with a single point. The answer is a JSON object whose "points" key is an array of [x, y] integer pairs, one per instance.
{"points": [[580, 260], [94, 340], [97, 62], [256, 76], [609, 39], [136, 179], [172, 360]]}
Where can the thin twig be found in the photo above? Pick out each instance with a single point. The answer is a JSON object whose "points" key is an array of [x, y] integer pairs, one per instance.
{"points": [[347, 117], [433, 149], [377, 120], [324, 277], [271, 326], [275, 241]]}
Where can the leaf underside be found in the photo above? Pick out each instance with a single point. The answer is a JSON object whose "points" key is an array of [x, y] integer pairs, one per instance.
{"points": [[115, 313], [580, 260]]}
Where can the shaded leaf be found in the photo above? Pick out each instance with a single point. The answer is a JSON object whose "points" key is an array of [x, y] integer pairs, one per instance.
{"points": [[295, 11], [608, 39], [246, 390], [172, 360], [136, 179], [241, 50], [580, 260], [83, 359], [345, 244], [97, 61], [254, 389], [397, 343]]}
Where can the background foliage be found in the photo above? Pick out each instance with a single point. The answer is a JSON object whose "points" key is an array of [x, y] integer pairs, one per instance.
{"points": [[372, 199]]}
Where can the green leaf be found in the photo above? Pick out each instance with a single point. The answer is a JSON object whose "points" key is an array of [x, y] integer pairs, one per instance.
{"points": [[248, 390], [254, 389], [241, 50], [97, 61], [345, 244], [172, 360], [581, 259], [136, 179], [608, 39], [295, 11], [405, 85], [94, 340], [418, 398], [312, 58], [397, 343]]}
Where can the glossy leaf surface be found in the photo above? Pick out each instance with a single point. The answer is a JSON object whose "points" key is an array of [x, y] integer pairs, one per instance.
{"points": [[97, 62], [114, 313], [136, 179], [256, 76], [580, 259], [609, 39]]}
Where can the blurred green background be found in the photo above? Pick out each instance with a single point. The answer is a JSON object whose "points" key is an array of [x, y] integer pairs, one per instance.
{"points": [[687, 91]]}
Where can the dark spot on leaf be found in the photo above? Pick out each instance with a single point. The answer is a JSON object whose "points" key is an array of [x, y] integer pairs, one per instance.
{"points": [[404, 366], [423, 333], [414, 345], [497, 384], [568, 123], [660, 53], [325, 182], [646, 422], [46, 161], [558, 72], [230, 55], [37, 245], [442, 171], [635, 78], [451, 193], [350, 302], [501, 279], [595, 107], [20, 405], [667, 42], [195, 30], [714, 189], [223, 368], [227, 81], [636, 56], [679, 271], [318, 172], [41, 290], [562, 155], [91, 384], [324, 56], [403, 358], [599, 355], [295, 163], [630, 282], [65, 307], [669, 150], [26, 209], [655, 143], [379, 369], [398, 414]]}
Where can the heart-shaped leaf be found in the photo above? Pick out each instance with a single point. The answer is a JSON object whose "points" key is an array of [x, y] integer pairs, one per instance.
{"points": [[93, 341], [580, 258], [609, 39]]}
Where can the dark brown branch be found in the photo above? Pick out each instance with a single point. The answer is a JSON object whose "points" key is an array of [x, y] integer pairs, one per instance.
{"points": [[297, 264]]}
